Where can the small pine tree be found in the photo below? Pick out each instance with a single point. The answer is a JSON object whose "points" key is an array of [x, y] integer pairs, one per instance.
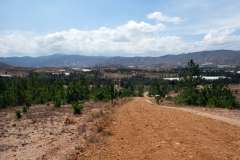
{"points": [[18, 114], [140, 91], [77, 108], [112, 92], [28, 102], [57, 102], [24, 109]]}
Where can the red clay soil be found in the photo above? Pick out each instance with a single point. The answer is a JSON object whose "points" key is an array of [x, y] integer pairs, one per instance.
{"points": [[148, 131]]}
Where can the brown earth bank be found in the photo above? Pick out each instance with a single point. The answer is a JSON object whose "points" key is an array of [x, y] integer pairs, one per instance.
{"points": [[143, 130]]}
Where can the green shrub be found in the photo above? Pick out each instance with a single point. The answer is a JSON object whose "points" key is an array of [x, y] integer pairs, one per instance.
{"points": [[77, 108], [63, 101], [236, 91], [24, 109], [99, 94], [28, 103], [48, 104], [168, 98], [40, 99], [57, 102], [18, 114]]}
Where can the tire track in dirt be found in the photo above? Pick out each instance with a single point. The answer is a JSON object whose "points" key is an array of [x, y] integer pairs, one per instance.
{"points": [[147, 131]]}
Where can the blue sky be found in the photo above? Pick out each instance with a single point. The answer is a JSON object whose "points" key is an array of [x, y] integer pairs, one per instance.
{"points": [[117, 28]]}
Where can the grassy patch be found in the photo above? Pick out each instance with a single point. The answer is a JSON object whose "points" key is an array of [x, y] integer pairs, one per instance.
{"points": [[94, 115]]}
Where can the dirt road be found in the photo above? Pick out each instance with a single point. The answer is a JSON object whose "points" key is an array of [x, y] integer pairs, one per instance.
{"points": [[147, 131]]}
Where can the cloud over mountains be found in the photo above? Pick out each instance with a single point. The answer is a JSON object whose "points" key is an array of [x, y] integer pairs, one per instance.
{"points": [[130, 39]]}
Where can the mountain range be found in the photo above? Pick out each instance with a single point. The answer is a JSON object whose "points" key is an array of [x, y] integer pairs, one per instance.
{"points": [[213, 58]]}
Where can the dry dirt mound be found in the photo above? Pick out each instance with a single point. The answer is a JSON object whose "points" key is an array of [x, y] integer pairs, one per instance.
{"points": [[147, 131]]}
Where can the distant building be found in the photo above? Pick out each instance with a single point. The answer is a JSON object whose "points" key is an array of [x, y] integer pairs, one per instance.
{"points": [[76, 68], [5, 75], [171, 79], [55, 74], [213, 78], [203, 77], [223, 66], [67, 74], [86, 70]]}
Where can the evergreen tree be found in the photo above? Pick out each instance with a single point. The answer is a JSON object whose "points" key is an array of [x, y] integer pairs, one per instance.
{"points": [[189, 83], [112, 92], [78, 90], [140, 90], [132, 91]]}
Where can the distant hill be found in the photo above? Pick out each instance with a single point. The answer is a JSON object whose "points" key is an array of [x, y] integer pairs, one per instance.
{"points": [[70, 61], [3, 64], [212, 58], [56, 60]]}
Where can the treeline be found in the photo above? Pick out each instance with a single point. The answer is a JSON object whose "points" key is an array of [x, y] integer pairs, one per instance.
{"points": [[19, 91], [38, 90], [216, 94]]}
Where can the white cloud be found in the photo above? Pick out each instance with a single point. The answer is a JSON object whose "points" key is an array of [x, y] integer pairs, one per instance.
{"points": [[131, 39], [215, 35], [133, 29], [162, 18]]}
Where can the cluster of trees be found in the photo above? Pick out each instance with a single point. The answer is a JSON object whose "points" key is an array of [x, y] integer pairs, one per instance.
{"points": [[216, 94], [21, 91], [109, 93], [155, 90], [104, 94], [35, 89]]}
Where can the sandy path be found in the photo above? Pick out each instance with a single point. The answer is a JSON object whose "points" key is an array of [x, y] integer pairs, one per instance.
{"points": [[147, 131], [231, 120]]}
